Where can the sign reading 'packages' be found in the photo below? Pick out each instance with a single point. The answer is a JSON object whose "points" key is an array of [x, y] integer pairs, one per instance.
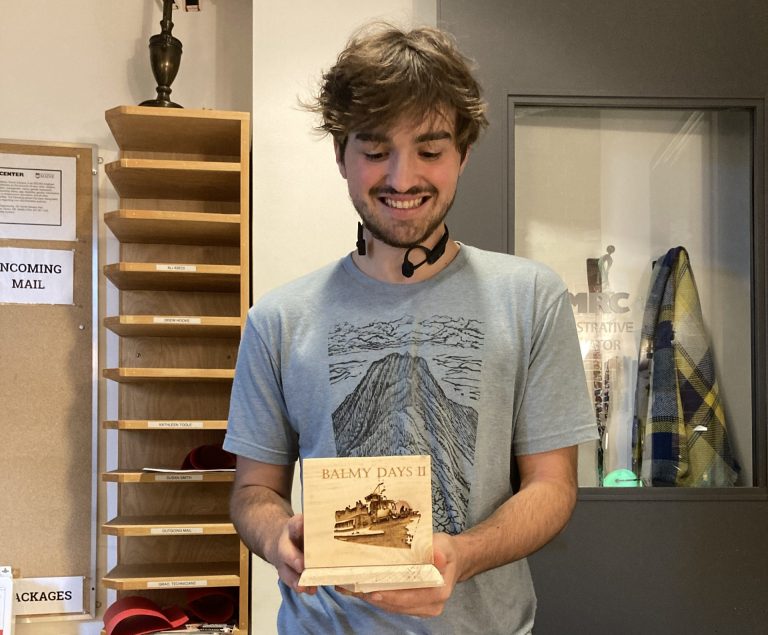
{"points": [[53, 595]]}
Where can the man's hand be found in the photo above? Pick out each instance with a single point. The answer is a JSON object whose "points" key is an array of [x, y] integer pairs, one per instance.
{"points": [[287, 555], [519, 526], [428, 602], [262, 513]]}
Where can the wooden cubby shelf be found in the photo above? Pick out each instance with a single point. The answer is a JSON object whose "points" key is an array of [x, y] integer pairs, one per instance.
{"points": [[150, 276], [180, 180], [207, 132], [173, 326], [178, 300], [173, 227], [140, 476], [140, 577], [142, 375], [169, 525], [165, 424]]}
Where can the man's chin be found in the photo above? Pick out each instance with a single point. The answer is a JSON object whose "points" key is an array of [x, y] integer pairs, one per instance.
{"points": [[402, 239], [400, 242]]}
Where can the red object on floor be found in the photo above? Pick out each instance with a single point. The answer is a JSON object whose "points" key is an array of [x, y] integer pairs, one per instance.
{"points": [[135, 615], [212, 605]]}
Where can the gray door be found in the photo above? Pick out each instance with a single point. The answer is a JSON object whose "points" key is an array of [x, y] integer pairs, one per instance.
{"points": [[653, 560]]}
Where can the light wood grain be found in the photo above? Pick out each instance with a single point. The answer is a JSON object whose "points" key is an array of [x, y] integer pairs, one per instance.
{"points": [[193, 180], [174, 326], [172, 499], [174, 227], [148, 302], [127, 577], [367, 511], [169, 425], [169, 525], [143, 276], [139, 476], [374, 578], [179, 352], [209, 132], [174, 400], [168, 374]]}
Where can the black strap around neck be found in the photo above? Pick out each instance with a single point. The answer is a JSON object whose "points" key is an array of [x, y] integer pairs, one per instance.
{"points": [[432, 255]]}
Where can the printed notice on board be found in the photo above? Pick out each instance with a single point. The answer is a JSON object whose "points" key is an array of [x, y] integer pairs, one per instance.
{"points": [[37, 197], [36, 276], [6, 600]]}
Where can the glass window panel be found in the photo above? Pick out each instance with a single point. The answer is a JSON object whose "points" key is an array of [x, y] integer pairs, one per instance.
{"points": [[600, 195]]}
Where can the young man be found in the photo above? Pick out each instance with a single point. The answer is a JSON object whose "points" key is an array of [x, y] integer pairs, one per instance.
{"points": [[413, 344]]}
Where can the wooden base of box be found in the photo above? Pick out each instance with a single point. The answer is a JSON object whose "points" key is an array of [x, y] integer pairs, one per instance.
{"points": [[374, 578]]}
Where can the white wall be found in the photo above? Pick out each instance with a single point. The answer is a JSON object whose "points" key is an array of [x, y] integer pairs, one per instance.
{"points": [[65, 63], [62, 64], [302, 217]]}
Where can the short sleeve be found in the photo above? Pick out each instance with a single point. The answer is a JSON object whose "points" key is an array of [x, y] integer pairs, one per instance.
{"points": [[258, 426], [555, 411]]}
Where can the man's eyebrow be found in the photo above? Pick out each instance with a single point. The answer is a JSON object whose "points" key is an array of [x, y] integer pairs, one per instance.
{"points": [[378, 137], [372, 137], [437, 135]]}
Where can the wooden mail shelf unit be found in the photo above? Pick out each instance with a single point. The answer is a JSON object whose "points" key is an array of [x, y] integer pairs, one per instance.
{"points": [[141, 476], [188, 228], [142, 375], [157, 525], [197, 132], [148, 576], [173, 326], [152, 276], [182, 285], [160, 178], [165, 424]]}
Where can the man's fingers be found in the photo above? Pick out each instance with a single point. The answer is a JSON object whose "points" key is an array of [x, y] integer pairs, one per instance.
{"points": [[296, 530], [440, 560]]}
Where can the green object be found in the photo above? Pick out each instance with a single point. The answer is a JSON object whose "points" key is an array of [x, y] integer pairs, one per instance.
{"points": [[621, 478]]}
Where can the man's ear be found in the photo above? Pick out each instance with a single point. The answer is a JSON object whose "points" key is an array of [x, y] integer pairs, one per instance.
{"points": [[339, 151], [464, 159]]}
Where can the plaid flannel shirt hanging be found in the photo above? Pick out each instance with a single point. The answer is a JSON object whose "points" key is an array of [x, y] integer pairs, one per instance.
{"points": [[679, 433]]}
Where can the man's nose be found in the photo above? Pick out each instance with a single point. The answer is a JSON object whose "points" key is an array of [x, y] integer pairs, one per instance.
{"points": [[403, 173]]}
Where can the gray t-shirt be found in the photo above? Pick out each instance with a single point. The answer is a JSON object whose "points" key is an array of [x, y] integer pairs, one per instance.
{"points": [[473, 366]]}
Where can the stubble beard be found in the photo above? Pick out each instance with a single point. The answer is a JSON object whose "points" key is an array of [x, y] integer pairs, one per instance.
{"points": [[414, 235]]}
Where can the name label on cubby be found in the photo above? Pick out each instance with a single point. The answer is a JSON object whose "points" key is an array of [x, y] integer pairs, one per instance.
{"points": [[168, 531], [177, 320], [170, 584], [178, 477], [176, 267], [174, 424]]}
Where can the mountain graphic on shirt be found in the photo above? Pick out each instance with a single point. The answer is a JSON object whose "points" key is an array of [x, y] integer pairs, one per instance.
{"points": [[399, 408]]}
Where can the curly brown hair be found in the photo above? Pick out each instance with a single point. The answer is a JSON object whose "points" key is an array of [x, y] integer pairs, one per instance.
{"points": [[386, 73]]}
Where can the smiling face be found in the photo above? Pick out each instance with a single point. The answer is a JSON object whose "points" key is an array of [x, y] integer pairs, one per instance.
{"points": [[402, 182]]}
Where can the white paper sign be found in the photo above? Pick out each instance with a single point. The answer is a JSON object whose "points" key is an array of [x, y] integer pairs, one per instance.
{"points": [[43, 596], [36, 276], [37, 197], [6, 600]]}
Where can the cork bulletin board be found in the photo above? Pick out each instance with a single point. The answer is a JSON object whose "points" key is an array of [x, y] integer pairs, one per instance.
{"points": [[48, 360]]}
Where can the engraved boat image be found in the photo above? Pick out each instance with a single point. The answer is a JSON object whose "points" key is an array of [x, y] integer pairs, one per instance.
{"points": [[378, 521]]}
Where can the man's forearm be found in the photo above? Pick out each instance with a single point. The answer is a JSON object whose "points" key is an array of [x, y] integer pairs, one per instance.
{"points": [[521, 526], [259, 514]]}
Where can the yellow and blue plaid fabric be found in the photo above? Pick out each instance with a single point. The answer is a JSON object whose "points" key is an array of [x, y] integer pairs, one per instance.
{"points": [[680, 433]]}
